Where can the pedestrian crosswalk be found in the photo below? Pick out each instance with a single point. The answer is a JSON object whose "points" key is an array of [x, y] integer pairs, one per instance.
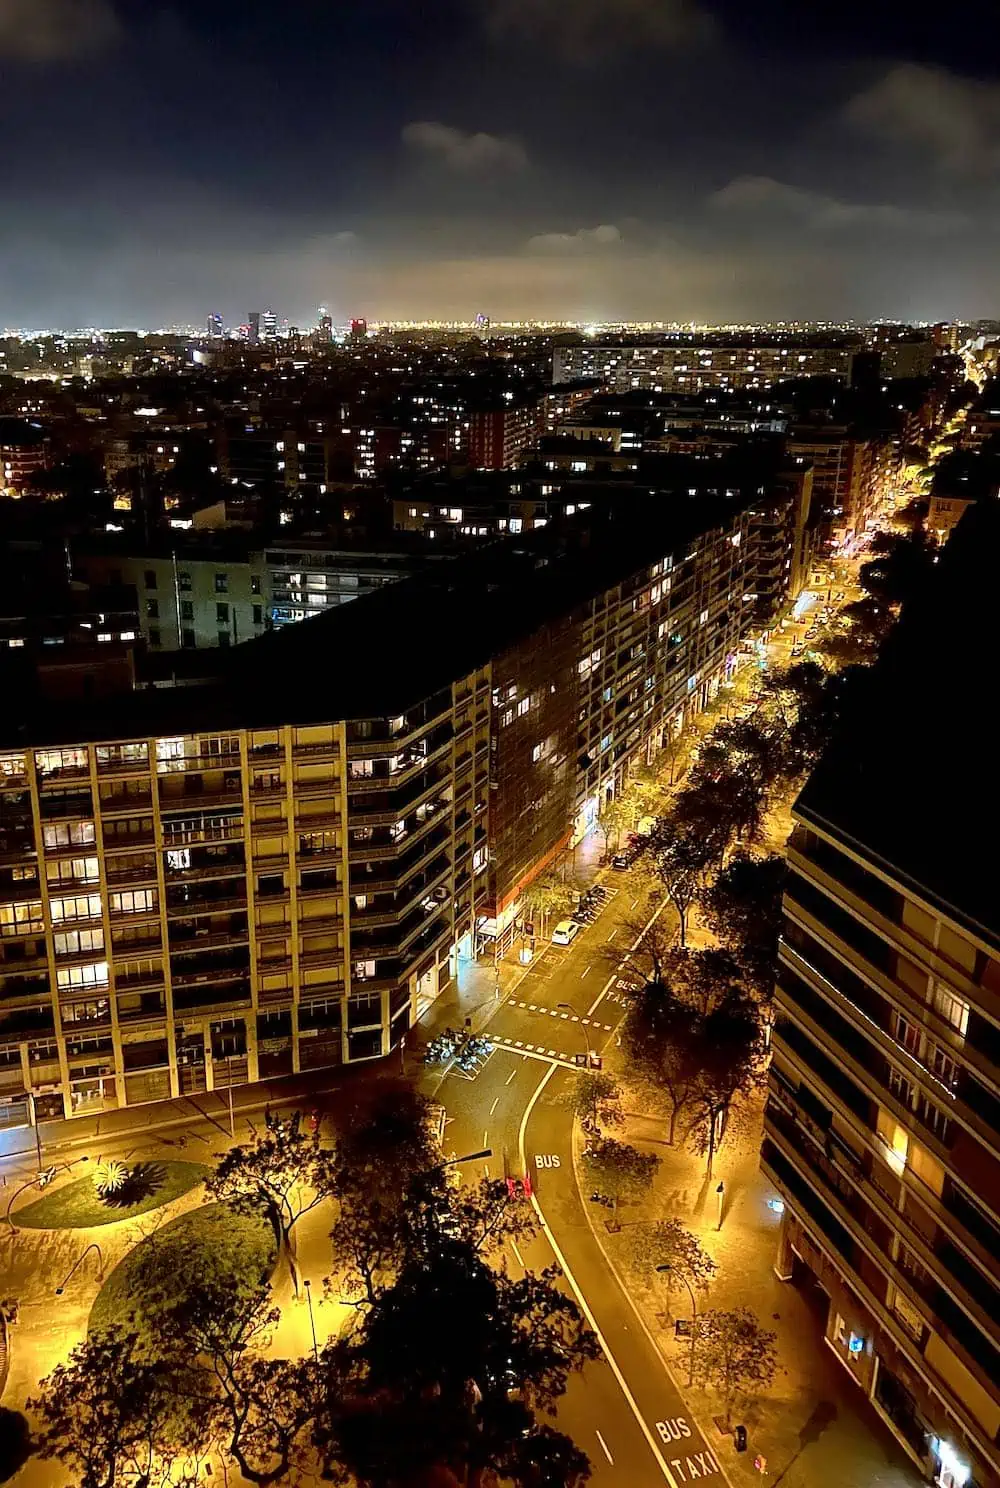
{"points": [[536, 1051], [563, 1017]]}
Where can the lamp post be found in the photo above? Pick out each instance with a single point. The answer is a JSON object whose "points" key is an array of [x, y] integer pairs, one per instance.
{"points": [[312, 1321], [79, 1262], [666, 1266]]}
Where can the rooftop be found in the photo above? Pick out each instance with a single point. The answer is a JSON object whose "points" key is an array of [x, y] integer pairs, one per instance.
{"points": [[910, 781], [388, 650]]}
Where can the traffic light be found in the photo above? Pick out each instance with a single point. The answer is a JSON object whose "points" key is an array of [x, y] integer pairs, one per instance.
{"points": [[740, 1438]]}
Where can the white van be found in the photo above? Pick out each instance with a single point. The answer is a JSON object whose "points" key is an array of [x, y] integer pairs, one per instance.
{"points": [[565, 932]]}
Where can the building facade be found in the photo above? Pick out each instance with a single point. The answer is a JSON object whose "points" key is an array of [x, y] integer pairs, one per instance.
{"points": [[276, 872], [882, 1128], [692, 365]]}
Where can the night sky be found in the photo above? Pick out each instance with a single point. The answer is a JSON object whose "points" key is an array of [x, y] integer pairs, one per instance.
{"points": [[579, 159]]}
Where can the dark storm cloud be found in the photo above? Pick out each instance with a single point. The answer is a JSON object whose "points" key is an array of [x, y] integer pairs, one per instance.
{"points": [[583, 159]]}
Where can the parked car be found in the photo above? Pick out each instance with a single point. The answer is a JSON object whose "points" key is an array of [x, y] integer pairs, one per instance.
{"points": [[620, 862], [565, 932]]}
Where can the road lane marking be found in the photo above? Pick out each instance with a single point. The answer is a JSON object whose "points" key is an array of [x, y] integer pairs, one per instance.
{"points": [[581, 1299], [486, 1138], [512, 1073], [496, 1103], [604, 1444], [654, 916], [520, 1257], [584, 971], [633, 904]]}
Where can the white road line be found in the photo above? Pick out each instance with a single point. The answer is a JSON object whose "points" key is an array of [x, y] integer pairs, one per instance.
{"points": [[510, 1076], [496, 1103], [520, 1257], [486, 1138], [581, 1299], [564, 1016], [633, 904], [654, 916], [584, 972], [604, 1444]]}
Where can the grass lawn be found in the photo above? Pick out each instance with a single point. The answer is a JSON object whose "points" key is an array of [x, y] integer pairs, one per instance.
{"points": [[78, 1206], [201, 1243]]}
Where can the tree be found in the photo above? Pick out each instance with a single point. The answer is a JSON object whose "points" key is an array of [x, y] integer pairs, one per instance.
{"points": [[550, 896], [596, 1099], [900, 566], [860, 630], [662, 1039], [383, 1147], [215, 1337], [729, 1063], [283, 1172], [742, 907], [615, 817], [685, 1266], [734, 1354], [446, 1372], [622, 1173], [681, 865], [649, 949], [674, 1246], [111, 1417], [702, 978]]}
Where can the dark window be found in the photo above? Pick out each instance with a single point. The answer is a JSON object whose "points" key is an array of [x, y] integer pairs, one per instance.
{"points": [[184, 582], [154, 635], [254, 584], [187, 609], [222, 614], [224, 638], [153, 609], [187, 637], [150, 578], [222, 583], [258, 614]]}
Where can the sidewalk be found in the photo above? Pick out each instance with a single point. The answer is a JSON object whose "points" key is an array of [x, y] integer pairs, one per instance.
{"points": [[814, 1426]]}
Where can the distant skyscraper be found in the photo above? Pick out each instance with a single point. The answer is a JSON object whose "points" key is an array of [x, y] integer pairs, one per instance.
{"points": [[325, 331], [359, 330], [253, 320], [269, 326], [215, 327], [243, 332]]}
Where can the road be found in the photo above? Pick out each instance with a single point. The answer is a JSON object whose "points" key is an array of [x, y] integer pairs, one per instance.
{"points": [[623, 1410]]}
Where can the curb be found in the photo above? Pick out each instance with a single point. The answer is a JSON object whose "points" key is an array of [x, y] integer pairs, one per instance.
{"points": [[626, 1292]]}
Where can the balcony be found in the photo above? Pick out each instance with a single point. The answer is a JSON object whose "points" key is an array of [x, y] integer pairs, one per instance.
{"points": [[362, 851], [141, 873], [132, 804], [203, 975], [234, 868], [221, 1000], [393, 806], [307, 822], [196, 940], [414, 763], [109, 769], [191, 803], [313, 858], [62, 774], [190, 908], [328, 751], [140, 981], [323, 924]]}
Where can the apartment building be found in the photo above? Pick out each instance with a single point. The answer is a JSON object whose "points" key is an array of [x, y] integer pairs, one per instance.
{"points": [[852, 475], [499, 434], [189, 597], [691, 364], [276, 871], [882, 1129]]}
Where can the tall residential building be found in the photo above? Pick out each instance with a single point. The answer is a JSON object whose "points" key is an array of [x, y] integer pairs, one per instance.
{"points": [[499, 434], [277, 871], [882, 1130], [253, 321], [214, 327], [688, 364], [268, 326], [324, 332]]}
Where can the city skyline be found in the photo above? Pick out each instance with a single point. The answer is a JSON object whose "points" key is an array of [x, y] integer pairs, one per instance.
{"points": [[669, 161]]}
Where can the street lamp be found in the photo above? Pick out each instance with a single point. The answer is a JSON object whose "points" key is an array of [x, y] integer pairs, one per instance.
{"points": [[312, 1321], [666, 1266]]}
